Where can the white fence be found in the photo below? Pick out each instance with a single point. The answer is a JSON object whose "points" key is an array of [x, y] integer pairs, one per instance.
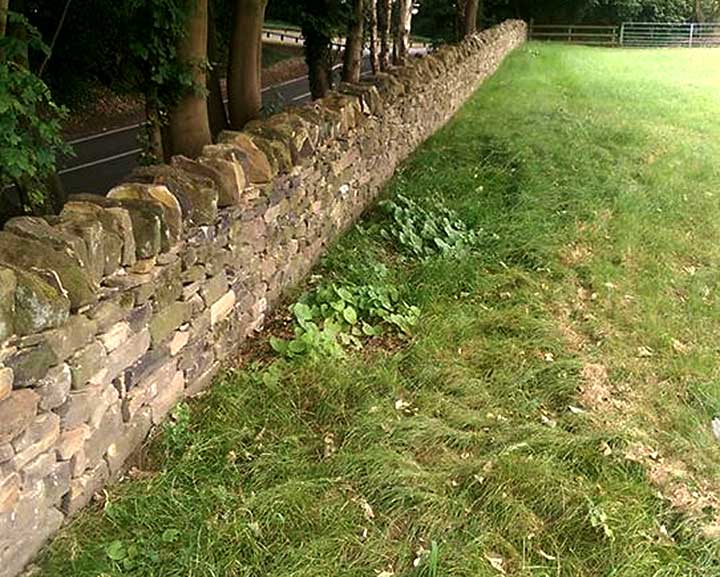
{"points": [[639, 34]]}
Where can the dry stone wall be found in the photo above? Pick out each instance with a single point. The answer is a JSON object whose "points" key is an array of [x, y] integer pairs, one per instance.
{"points": [[124, 304]]}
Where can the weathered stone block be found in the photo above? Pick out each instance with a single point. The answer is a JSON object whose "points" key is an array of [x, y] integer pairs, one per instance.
{"points": [[256, 165], [57, 483], [54, 387], [226, 169], [109, 430], [38, 468], [75, 333], [6, 382], [165, 322], [9, 492], [36, 228], [196, 193], [115, 336], [88, 364], [30, 364], [28, 254], [83, 488], [127, 355], [132, 437], [71, 441], [222, 307], [94, 237], [168, 285], [39, 437], [167, 397], [7, 303], [214, 288], [78, 408], [154, 194]]}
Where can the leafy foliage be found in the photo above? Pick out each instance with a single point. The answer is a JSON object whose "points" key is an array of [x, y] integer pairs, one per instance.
{"points": [[422, 233], [30, 138], [335, 316]]}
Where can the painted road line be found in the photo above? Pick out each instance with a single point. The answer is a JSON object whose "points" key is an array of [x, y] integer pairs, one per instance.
{"points": [[101, 161]]}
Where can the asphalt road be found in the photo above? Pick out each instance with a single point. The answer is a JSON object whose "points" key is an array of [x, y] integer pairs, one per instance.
{"points": [[102, 160]]}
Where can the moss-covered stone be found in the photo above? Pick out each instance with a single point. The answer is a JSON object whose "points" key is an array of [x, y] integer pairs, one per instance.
{"points": [[148, 225], [93, 235], [165, 322], [39, 305], [40, 230], [29, 365], [113, 217], [7, 303], [28, 254]]}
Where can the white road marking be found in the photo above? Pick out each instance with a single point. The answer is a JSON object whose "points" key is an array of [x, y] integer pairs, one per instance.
{"points": [[101, 161]]}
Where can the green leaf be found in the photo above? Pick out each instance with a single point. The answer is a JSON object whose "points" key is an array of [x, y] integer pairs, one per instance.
{"points": [[302, 312], [170, 535], [350, 315], [116, 551], [278, 345]]}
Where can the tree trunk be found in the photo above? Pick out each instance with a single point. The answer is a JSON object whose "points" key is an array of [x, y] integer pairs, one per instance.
{"points": [[352, 58], [244, 65], [217, 116], [385, 26], [188, 127], [470, 17], [373, 34], [402, 34], [4, 7], [318, 55]]}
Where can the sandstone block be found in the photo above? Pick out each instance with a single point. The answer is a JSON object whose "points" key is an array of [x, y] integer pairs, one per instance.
{"points": [[83, 488], [54, 387], [152, 193], [196, 193], [40, 436], [115, 336], [165, 322], [126, 444], [168, 396], [71, 441], [256, 165], [222, 307], [6, 382], [88, 364], [30, 364]]}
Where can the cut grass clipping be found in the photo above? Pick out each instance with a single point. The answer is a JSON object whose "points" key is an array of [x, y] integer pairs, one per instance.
{"points": [[547, 414]]}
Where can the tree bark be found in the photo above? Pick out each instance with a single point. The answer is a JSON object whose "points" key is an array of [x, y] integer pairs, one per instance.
{"points": [[244, 65], [372, 22], [217, 115], [318, 55], [188, 128], [402, 33], [154, 132], [352, 57], [4, 7], [384, 26], [470, 15]]}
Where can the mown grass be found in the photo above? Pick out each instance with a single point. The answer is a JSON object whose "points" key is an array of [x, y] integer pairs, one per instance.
{"points": [[594, 176]]}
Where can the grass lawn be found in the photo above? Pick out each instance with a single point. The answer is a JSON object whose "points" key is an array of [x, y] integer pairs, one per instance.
{"points": [[550, 414], [274, 53]]}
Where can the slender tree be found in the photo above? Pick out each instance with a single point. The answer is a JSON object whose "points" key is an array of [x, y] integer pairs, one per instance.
{"points": [[217, 115], [467, 15], [4, 6], [188, 128], [385, 27], [320, 21], [402, 32], [352, 58], [244, 65], [372, 21]]}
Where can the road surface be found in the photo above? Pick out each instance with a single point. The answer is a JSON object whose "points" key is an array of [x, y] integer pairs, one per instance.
{"points": [[102, 160]]}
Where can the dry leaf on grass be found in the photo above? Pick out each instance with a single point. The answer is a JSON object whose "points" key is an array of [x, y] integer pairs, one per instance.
{"points": [[497, 562]]}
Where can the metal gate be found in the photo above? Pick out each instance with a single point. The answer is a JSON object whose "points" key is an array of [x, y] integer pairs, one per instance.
{"points": [[639, 34], [654, 34]]}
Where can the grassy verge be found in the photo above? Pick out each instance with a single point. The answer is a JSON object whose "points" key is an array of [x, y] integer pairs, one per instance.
{"points": [[550, 414]]}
